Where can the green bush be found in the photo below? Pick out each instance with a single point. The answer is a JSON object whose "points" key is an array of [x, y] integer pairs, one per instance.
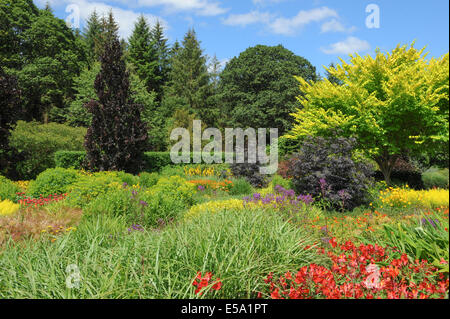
{"points": [[278, 180], [241, 187], [115, 202], [53, 181], [88, 188], [38, 143], [8, 190], [167, 199], [148, 179], [435, 177], [70, 159]]}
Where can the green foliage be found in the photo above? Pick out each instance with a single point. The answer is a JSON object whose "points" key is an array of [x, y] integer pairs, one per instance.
{"points": [[70, 159], [148, 179], [53, 181], [142, 54], [257, 89], [92, 32], [9, 111], [8, 190], [240, 248], [435, 177], [16, 16], [115, 202], [155, 161], [392, 103], [167, 199], [88, 188], [53, 58], [426, 239], [189, 78], [39, 142], [240, 187], [278, 180]]}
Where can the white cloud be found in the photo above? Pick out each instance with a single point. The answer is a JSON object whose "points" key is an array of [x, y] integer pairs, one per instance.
{"points": [[335, 26], [289, 26], [247, 18], [124, 18], [199, 7], [348, 46]]}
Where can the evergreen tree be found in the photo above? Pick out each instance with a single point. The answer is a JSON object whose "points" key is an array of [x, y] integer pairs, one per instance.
{"points": [[189, 78], [117, 137], [159, 42], [92, 32], [143, 56]]}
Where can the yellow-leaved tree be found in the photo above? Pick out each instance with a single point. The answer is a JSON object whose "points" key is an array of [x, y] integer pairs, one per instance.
{"points": [[393, 103]]}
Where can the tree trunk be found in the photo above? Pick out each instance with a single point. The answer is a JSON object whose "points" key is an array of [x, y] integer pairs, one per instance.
{"points": [[386, 164]]}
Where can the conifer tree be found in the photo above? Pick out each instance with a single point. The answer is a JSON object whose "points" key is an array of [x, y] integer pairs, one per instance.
{"points": [[189, 78], [142, 54], [117, 137], [159, 42], [92, 33]]}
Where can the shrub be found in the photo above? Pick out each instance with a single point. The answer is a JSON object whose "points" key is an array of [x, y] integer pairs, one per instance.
{"points": [[70, 159], [285, 167], [325, 169], [278, 180], [405, 197], [214, 207], [7, 208], [115, 202], [240, 186], [8, 190], [435, 178], [155, 161], [164, 201], [53, 181], [148, 179], [88, 188], [38, 143], [249, 171]]}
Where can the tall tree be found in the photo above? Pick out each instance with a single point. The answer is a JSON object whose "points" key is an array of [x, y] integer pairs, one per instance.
{"points": [[92, 32], [258, 88], [189, 78], [16, 16], [159, 42], [117, 137], [393, 104], [333, 79], [9, 109], [53, 60], [143, 56]]}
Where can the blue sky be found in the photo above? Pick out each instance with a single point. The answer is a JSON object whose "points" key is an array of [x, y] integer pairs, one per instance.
{"points": [[319, 30]]}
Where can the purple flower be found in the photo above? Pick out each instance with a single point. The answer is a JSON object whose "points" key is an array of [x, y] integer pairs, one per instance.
{"points": [[124, 185], [135, 227], [143, 203], [344, 195], [201, 188], [430, 221]]}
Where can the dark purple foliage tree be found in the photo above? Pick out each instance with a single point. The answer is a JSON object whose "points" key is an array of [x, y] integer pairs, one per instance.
{"points": [[117, 137]]}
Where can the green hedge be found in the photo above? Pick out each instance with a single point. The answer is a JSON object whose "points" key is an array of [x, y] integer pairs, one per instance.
{"points": [[38, 143], [154, 161]]}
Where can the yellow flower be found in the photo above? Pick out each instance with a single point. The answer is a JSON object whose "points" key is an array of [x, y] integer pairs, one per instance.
{"points": [[7, 208]]}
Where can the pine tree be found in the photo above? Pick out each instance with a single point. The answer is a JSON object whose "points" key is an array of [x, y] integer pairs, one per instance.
{"points": [[189, 75], [92, 33], [159, 42], [142, 54], [117, 137]]}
